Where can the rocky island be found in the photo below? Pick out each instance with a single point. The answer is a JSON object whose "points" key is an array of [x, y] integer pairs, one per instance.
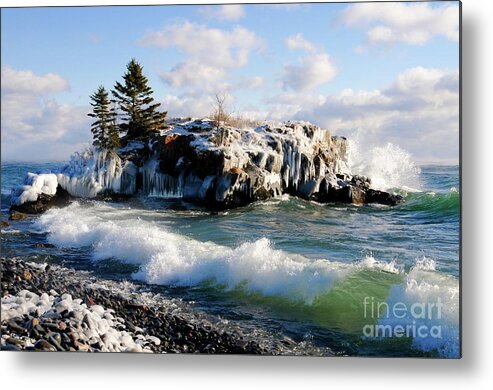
{"points": [[216, 167]]}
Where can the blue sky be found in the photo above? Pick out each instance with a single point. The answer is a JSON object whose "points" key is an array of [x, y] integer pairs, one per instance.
{"points": [[378, 72]]}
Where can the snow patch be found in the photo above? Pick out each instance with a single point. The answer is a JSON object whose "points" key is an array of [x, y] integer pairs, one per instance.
{"points": [[101, 324]]}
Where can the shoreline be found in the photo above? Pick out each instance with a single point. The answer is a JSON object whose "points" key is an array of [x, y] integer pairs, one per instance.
{"points": [[52, 308]]}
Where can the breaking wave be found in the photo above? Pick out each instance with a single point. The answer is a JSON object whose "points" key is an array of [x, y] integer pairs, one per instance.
{"points": [[328, 292], [388, 166], [447, 204]]}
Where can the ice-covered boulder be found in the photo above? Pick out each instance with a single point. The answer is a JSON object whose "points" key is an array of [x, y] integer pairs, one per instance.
{"points": [[96, 171], [92, 173], [34, 185], [38, 193]]}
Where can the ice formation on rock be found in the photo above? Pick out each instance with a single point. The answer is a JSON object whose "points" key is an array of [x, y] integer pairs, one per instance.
{"points": [[97, 170], [34, 185], [218, 167], [231, 167]]}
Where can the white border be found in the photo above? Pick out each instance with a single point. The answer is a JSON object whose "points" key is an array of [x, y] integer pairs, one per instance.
{"points": [[475, 370]]}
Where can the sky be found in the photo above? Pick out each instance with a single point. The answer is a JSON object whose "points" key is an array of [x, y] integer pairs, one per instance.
{"points": [[378, 72]]}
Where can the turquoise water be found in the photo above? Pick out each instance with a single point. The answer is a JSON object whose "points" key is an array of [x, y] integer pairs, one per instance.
{"points": [[288, 266]]}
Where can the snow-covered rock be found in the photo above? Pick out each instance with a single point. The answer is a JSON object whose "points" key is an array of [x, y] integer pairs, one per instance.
{"points": [[34, 185], [91, 325], [218, 167], [229, 167]]}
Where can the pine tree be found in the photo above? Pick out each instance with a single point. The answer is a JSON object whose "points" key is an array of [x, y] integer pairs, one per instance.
{"points": [[104, 129], [113, 135], [134, 98]]}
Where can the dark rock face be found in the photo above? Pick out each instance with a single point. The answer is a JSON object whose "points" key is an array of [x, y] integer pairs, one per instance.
{"points": [[382, 197], [219, 168], [43, 203]]}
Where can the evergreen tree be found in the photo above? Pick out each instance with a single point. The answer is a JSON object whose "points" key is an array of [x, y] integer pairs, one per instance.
{"points": [[104, 129], [134, 98]]}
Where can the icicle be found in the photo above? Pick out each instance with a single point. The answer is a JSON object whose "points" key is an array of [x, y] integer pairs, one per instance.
{"points": [[91, 172]]}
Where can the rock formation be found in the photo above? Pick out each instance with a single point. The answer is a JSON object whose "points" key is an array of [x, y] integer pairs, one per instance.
{"points": [[217, 168]]}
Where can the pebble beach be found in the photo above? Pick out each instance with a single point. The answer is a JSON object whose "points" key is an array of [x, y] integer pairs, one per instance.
{"points": [[51, 308]]}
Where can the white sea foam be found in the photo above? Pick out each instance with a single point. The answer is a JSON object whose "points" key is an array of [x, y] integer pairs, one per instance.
{"points": [[424, 286], [425, 264], [370, 262], [11, 231], [169, 258], [388, 166], [165, 257], [409, 189]]}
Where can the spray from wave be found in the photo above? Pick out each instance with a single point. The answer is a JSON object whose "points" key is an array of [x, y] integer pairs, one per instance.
{"points": [[388, 166]]}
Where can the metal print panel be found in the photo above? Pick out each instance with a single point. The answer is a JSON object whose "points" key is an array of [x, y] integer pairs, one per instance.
{"points": [[271, 179]]}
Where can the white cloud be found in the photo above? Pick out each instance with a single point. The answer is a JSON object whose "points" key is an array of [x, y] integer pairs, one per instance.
{"points": [[310, 72], [226, 12], [212, 46], [413, 24], [297, 42], [192, 75], [34, 125], [27, 82], [188, 105], [418, 111], [210, 55], [197, 87]]}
